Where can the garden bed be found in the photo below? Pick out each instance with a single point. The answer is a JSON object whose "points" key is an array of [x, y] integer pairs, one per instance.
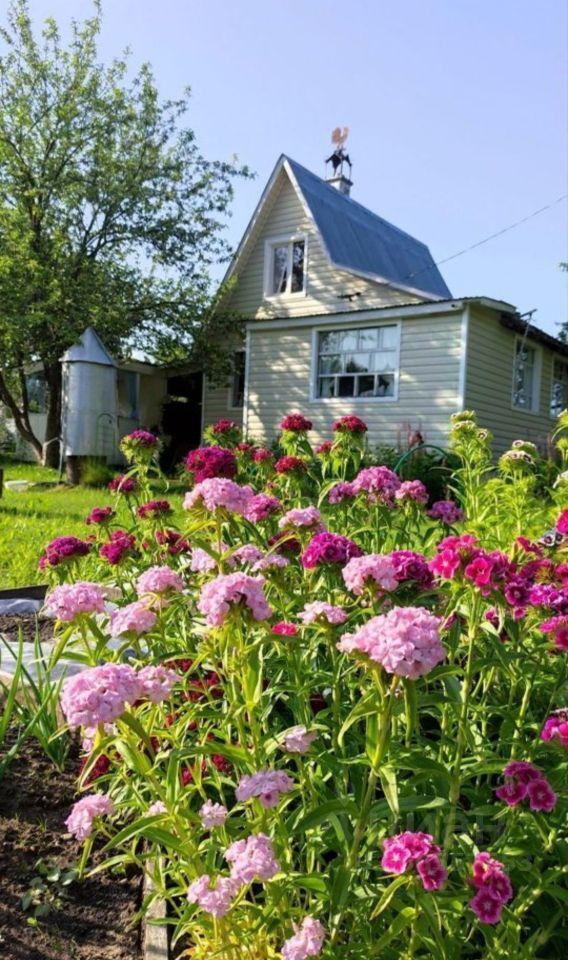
{"points": [[95, 920], [29, 624]]}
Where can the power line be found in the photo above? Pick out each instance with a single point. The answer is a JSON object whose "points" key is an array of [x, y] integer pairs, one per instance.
{"points": [[491, 236]]}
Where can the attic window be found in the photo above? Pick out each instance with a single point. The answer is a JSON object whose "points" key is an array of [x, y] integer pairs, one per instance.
{"points": [[285, 272]]}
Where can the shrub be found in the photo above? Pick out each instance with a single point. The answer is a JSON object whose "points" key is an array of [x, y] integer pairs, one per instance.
{"points": [[95, 473], [330, 724]]}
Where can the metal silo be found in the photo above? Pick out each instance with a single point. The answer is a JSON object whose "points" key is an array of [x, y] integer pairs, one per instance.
{"points": [[89, 407]]}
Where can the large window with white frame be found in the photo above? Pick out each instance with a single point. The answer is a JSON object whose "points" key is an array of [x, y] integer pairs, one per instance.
{"points": [[285, 267], [526, 377], [360, 363], [559, 391]]}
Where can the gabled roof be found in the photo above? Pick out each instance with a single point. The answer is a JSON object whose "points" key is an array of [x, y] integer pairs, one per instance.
{"points": [[89, 349], [354, 238]]}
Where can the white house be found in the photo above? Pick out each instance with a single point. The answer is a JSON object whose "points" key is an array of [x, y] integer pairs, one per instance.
{"points": [[344, 313]]}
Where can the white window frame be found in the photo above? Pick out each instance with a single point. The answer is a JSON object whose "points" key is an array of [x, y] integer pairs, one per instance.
{"points": [[535, 405], [369, 325], [230, 404], [288, 240], [563, 362]]}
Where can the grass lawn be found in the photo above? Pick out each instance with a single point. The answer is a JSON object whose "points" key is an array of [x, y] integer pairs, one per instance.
{"points": [[30, 519]]}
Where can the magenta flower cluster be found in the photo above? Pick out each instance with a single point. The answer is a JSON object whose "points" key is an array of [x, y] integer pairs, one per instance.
{"points": [[524, 781], [296, 423], [63, 550], [208, 462], [493, 886], [555, 728], [415, 850], [329, 548]]}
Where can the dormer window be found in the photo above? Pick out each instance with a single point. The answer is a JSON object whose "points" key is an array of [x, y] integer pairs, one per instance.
{"points": [[285, 267]]}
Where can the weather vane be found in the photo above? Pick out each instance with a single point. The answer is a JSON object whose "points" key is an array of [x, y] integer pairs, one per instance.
{"points": [[339, 156]]}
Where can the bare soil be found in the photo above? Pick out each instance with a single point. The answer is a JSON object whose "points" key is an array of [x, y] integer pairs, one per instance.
{"points": [[95, 920], [11, 624]]}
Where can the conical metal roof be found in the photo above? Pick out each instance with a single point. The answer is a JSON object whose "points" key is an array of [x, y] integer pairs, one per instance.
{"points": [[89, 349]]}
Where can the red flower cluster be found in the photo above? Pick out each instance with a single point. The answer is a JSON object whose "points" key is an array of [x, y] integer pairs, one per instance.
{"points": [[350, 424], [290, 465], [262, 455], [207, 462], [62, 550], [173, 541], [154, 508], [120, 544], [224, 426], [100, 515], [123, 484], [296, 423]]}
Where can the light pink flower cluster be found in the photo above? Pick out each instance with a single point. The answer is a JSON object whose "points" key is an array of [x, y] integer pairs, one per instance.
{"points": [[375, 567], [100, 694], [218, 595], [341, 492], [219, 494], [159, 580], [412, 490], [379, 483], [267, 785], [156, 808], [212, 814], [80, 821], [250, 555], [494, 888], [252, 859], [406, 641], [133, 618], [298, 740], [524, 781], [301, 517], [72, 599], [216, 901], [201, 561], [157, 682], [415, 849], [320, 610], [306, 942]]}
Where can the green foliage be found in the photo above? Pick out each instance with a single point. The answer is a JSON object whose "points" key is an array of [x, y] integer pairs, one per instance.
{"points": [[48, 889], [95, 473]]}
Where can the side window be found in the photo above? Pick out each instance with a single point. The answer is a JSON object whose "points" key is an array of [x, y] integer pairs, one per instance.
{"points": [[238, 379], [526, 377], [559, 391]]}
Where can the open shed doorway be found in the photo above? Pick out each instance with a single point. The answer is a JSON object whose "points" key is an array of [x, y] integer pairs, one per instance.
{"points": [[181, 419]]}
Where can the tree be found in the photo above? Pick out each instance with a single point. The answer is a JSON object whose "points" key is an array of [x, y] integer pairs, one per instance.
{"points": [[109, 213]]}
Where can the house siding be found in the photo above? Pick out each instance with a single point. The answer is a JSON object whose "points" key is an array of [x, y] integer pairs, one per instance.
{"points": [[327, 288], [280, 370], [216, 405], [489, 384]]}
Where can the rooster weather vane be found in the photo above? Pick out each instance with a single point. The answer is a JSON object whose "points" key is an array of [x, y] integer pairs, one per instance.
{"points": [[339, 156]]}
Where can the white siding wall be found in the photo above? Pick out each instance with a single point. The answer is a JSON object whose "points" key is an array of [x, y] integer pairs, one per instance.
{"points": [[216, 405], [489, 384], [280, 366]]}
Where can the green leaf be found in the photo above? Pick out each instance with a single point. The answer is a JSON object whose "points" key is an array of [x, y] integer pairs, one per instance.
{"points": [[323, 812], [388, 894], [387, 776]]}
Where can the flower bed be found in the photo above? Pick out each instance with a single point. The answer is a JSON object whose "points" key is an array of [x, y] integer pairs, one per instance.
{"points": [[327, 715]]}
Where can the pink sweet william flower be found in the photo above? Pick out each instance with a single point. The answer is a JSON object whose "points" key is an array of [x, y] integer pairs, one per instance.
{"points": [[158, 580], [298, 740], [300, 517], [525, 781], [494, 888], [219, 494], [121, 543], [557, 627], [123, 484], [157, 682], [224, 425], [284, 628], [350, 424], [267, 785], [341, 492], [296, 423], [374, 568], [322, 611], [201, 561], [307, 940], [219, 595], [447, 511], [562, 522], [252, 859], [99, 516], [207, 462], [379, 483], [411, 567], [415, 849], [156, 808], [63, 550], [80, 821], [412, 491], [134, 618], [154, 508], [262, 455], [70, 600], [213, 814], [290, 465], [556, 728], [217, 901], [329, 548], [260, 507], [99, 694], [406, 641]]}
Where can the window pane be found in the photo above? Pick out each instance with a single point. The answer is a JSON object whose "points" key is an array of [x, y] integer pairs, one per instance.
{"points": [[298, 266], [346, 386], [366, 386], [388, 338], [330, 342], [280, 269], [326, 387], [357, 363], [559, 395], [330, 363], [368, 339], [523, 384], [384, 360], [385, 385]]}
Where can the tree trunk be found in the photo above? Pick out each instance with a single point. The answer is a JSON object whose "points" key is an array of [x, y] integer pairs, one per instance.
{"points": [[52, 442], [21, 418]]}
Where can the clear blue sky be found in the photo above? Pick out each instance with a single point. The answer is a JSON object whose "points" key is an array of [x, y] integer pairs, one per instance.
{"points": [[457, 110]]}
